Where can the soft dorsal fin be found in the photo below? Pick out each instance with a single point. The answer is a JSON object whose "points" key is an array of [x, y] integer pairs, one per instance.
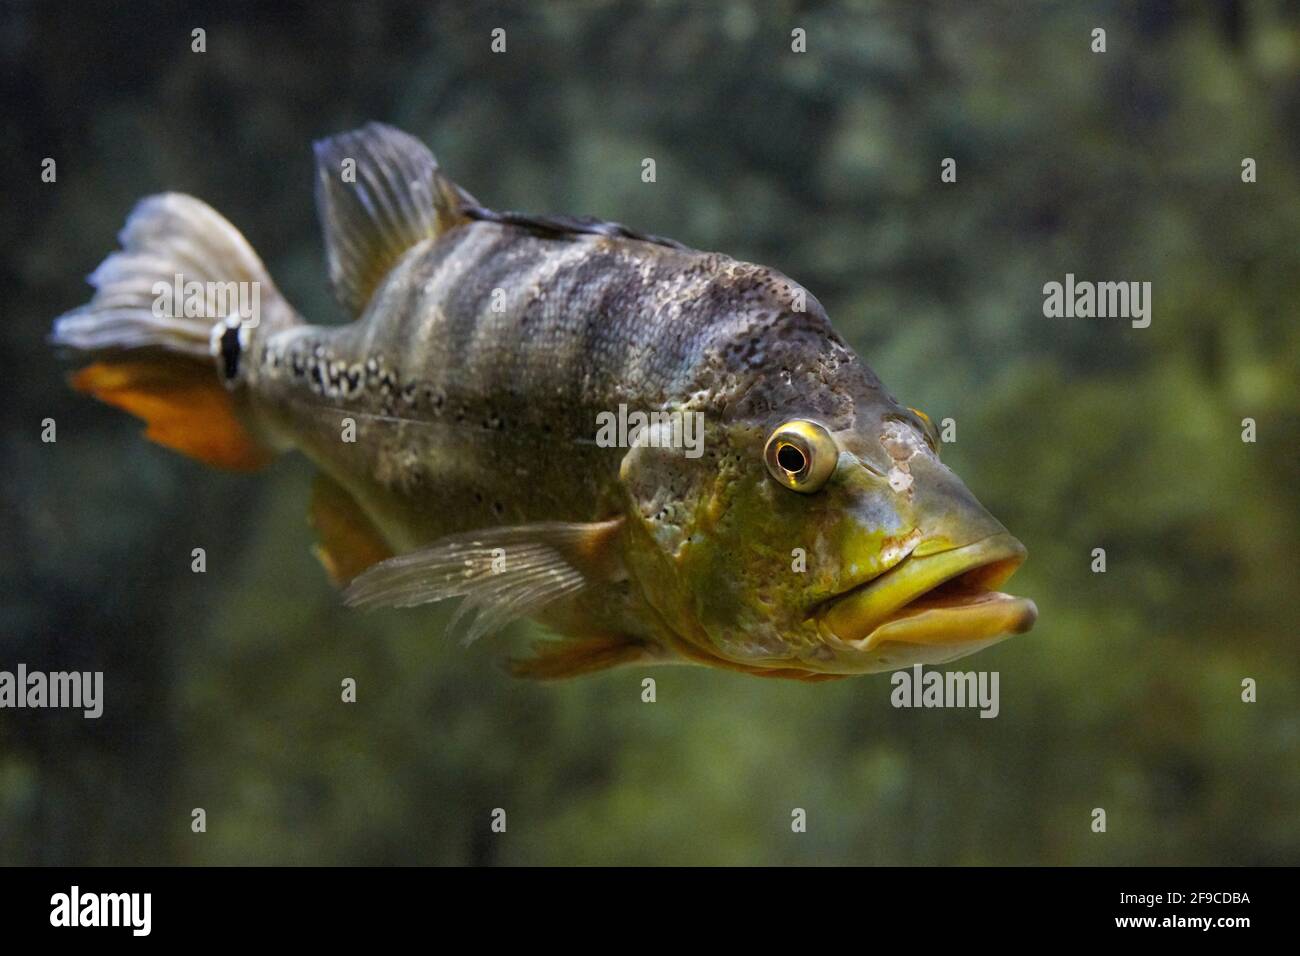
{"points": [[399, 197]]}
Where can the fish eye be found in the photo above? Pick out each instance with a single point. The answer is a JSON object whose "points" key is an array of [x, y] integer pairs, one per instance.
{"points": [[801, 455]]}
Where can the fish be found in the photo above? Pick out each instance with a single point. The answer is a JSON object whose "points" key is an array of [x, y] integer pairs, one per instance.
{"points": [[459, 427]]}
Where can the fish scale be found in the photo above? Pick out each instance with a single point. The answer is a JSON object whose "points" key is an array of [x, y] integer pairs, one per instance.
{"points": [[586, 330]]}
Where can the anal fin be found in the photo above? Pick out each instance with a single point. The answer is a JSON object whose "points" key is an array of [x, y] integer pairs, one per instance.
{"points": [[349, 542]]}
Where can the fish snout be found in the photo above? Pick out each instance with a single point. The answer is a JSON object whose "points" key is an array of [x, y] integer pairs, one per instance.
{"points": [[941, 600], [946, 512]]}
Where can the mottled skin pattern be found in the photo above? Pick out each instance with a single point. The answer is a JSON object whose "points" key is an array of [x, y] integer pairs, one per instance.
{"points": [[478, 408]]}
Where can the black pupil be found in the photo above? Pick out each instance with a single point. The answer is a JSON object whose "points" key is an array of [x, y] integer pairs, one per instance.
{"points": [[791, 458], [230, 352]]}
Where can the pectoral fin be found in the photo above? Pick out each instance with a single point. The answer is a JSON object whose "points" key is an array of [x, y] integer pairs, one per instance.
{"points": [[349, 543], [501, 573]]}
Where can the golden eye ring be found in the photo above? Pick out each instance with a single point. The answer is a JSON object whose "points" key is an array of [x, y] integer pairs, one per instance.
{"points": [[801, 455]]}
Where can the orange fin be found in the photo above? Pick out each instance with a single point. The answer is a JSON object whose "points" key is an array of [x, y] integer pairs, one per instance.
{"points": [[573, 657], [349, 542], [183, 404]]}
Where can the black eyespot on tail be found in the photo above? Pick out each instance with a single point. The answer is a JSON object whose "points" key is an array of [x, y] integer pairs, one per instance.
{"points": [[231, 352]]}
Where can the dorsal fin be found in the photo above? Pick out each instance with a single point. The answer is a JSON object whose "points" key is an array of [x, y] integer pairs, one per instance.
{"points": [[399, 197], [565, 225]]}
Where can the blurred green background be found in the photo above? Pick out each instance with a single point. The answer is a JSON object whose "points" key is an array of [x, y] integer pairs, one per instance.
{"points": [[223, 689]]}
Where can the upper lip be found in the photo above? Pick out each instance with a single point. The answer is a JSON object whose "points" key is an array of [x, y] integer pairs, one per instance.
{"points": [[919, 581]]}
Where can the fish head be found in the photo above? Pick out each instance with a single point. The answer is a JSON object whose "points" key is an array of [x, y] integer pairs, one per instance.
{"points": [[805, 544]]}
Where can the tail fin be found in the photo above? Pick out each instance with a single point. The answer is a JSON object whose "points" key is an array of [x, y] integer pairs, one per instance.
{"points": [[173, 315]]}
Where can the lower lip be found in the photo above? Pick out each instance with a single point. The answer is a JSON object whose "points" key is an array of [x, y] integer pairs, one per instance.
{"points": [[874, 613], [985, 616]]}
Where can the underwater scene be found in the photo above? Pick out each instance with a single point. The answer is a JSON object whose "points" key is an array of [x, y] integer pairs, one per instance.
{"points": [[616, 433]]}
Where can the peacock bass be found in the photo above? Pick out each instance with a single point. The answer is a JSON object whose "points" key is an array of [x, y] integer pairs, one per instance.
{"points": [[807, 531]]}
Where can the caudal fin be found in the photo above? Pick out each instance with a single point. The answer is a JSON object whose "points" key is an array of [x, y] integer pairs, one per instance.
{"points": [[173, 315]]}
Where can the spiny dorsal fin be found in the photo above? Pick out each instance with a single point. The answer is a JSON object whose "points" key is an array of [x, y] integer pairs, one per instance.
{"points": [[565, 225], [399, 198]]}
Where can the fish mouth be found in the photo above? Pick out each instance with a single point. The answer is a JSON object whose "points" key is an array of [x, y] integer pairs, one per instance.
{"points": [[944, 599]]}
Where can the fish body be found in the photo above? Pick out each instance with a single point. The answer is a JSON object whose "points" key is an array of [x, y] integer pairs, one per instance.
{"points": [[460, 400], [812, 533]]}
